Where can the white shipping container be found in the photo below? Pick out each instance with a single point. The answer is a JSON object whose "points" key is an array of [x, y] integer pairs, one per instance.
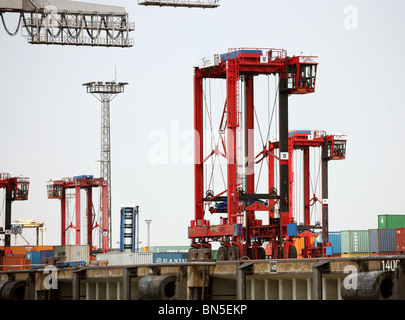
{"points": [[72, 253], [125, 258]]}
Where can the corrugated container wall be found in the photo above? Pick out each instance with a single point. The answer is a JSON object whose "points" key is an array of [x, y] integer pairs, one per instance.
{"points": [[387, 240], [354, 241], [14, 262], [334, 239], [72, 253], [400, 239], [373, 240], [391, 221], [125, 258]]}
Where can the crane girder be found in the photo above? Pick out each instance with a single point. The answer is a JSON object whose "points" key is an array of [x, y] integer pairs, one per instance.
{"points": [[65, 22]]}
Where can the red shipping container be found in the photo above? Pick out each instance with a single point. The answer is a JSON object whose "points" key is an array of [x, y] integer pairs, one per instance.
{"points": [[14, 262], [400, 239]]}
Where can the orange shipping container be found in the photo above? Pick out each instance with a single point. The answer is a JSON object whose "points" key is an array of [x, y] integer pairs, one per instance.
{"points": [[14, 262], [22, 250]]}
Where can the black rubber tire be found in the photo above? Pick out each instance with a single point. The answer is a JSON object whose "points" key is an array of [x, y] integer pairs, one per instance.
{"points": [[261, 253], [222, 254], [233, 253], [292, 252], [280, 253]]}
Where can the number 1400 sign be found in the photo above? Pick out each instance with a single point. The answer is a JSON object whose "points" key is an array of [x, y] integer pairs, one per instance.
{"points": [[389, 265]]}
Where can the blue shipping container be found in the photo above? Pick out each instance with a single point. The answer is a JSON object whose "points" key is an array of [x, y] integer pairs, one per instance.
{"points": [[45, 254], [334, 239], [35, 258], [373, 240], [387, 240], [82, 177], [169, 257], [235, 54]]}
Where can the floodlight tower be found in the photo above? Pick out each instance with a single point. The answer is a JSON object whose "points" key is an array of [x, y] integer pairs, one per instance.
{"points": [[148, 222], [105, 92]]}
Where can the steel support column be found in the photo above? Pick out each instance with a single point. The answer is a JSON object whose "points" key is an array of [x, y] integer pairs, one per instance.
{"points": [[105, 223], [77, 226], [128, 273], [89, 216], [7, 224], [284, 168], [198, 146], [307, 186], [231, 143], [325, 199], [318, 269], [249, 146], [271, 178]]}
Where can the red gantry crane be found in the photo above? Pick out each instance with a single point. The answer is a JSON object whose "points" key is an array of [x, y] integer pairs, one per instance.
{"points": [[240, 234], [16, 190], [56, 190], [333, 147]]}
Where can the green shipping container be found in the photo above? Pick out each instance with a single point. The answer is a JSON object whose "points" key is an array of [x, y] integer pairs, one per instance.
{"points": [[391, 221], [354, 241]]}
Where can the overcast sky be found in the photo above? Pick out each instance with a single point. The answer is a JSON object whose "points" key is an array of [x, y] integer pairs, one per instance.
{"points": [[50, 126]]}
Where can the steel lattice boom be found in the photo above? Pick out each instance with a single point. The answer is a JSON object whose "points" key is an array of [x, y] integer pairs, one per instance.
{"points": [[63, 22], [181, 3]]}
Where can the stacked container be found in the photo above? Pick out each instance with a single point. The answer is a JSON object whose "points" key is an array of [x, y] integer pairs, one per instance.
{"points": [[387, 240], [72, 253], [373, 235], [125, 258], [391, 221], [335, 240], [354, 242], [400, 237], [14, 262]]}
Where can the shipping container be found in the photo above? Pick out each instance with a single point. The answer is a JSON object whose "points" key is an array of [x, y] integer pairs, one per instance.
{"points": [[72, 253], [125, 258], [391, 221], [400, 239], [387, 240], [373, 235], [14, 262], [35, 257], [354, 241], [349, 255], [45, 254], [334, 239], [169, 257], [169, 248], [22, 250]]}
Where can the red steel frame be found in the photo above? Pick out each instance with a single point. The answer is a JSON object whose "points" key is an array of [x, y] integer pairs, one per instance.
{"points": [[16, 189], [305, 140], [56, 190], [235, 64]]}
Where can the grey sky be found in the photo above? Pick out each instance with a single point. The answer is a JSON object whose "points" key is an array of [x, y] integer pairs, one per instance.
{"points": [[50, 127]]}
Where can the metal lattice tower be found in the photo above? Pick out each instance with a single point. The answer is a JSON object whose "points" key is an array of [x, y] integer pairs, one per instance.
{"points": [[105, 92]]}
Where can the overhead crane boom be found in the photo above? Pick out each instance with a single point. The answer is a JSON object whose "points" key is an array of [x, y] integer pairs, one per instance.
{"points": [[181, 3], [64, 22]]}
